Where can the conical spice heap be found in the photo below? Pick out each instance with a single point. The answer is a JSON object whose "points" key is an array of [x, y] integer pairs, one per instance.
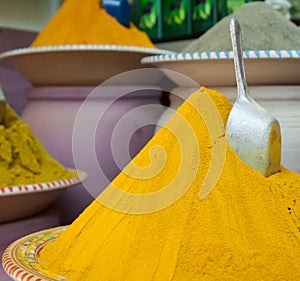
{"points": [[84, 22], [23, 159], [263, 27], [246, 228]]}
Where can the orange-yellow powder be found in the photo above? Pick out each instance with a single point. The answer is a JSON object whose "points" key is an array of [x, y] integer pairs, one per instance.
{"points": [[84, 22], [247, 228]]}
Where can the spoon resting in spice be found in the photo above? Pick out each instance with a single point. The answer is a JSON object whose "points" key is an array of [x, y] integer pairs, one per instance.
{"points": [[253, 133]]}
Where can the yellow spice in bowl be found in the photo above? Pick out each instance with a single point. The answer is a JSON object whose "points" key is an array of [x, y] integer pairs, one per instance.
{"points": [[23, 159], [247, 228]]}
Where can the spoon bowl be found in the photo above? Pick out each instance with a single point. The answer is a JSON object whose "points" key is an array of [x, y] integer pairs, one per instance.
{"points": [[252, 132]]}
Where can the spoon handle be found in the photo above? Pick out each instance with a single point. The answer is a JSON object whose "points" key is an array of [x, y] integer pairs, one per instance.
{"points": [[236, 41]]}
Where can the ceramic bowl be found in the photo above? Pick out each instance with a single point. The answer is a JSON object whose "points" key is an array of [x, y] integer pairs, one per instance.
{"points": [[21, 261], [21, 201]]}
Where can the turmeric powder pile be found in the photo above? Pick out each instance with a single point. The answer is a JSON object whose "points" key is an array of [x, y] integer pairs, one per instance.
{"points": [[85, 22], [23, 159], [247, 228]]}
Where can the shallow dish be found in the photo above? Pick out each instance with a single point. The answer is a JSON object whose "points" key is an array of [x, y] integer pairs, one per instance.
{"points": [[21, 261], [75, 64], [264, 67], [18, 202]]}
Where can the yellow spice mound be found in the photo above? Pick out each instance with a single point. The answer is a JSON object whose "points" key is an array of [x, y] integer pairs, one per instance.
{"points": [[247, 228], [23, 159], [84, 22]]}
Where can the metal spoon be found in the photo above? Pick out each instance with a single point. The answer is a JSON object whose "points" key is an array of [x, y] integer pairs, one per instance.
{"points": [[2, 106], [251, 131]]}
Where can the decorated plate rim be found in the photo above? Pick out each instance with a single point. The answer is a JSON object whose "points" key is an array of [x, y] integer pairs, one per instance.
{"points": [[255, 54], [45, 186], [82, 47], [20, 259]]}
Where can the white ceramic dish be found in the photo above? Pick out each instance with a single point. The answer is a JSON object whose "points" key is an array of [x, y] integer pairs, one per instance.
{"points": [[264, 67], [75, 64], [18, 202], [21, 261]]}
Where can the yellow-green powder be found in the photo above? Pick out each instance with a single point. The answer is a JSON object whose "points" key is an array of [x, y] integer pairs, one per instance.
{"points": [[23, 159]]}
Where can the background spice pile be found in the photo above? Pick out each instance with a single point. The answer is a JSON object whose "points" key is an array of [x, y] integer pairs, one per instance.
{"points": [[263, 29], [78, 23], [23, 159]]}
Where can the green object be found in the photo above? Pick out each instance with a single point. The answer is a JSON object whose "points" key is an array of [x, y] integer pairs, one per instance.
{"points": [[204, 15], [233, 5], [176, 18], [148, 17], [295, 9], [222, 9], [227, 7]]}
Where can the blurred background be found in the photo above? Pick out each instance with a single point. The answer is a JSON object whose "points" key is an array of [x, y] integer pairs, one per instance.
{"points": [[165, 21]]}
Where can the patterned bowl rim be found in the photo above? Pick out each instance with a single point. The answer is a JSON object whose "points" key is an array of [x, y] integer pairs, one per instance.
{"points": [[255, 54], [45, 186], [83, 48], [20, 259]]}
